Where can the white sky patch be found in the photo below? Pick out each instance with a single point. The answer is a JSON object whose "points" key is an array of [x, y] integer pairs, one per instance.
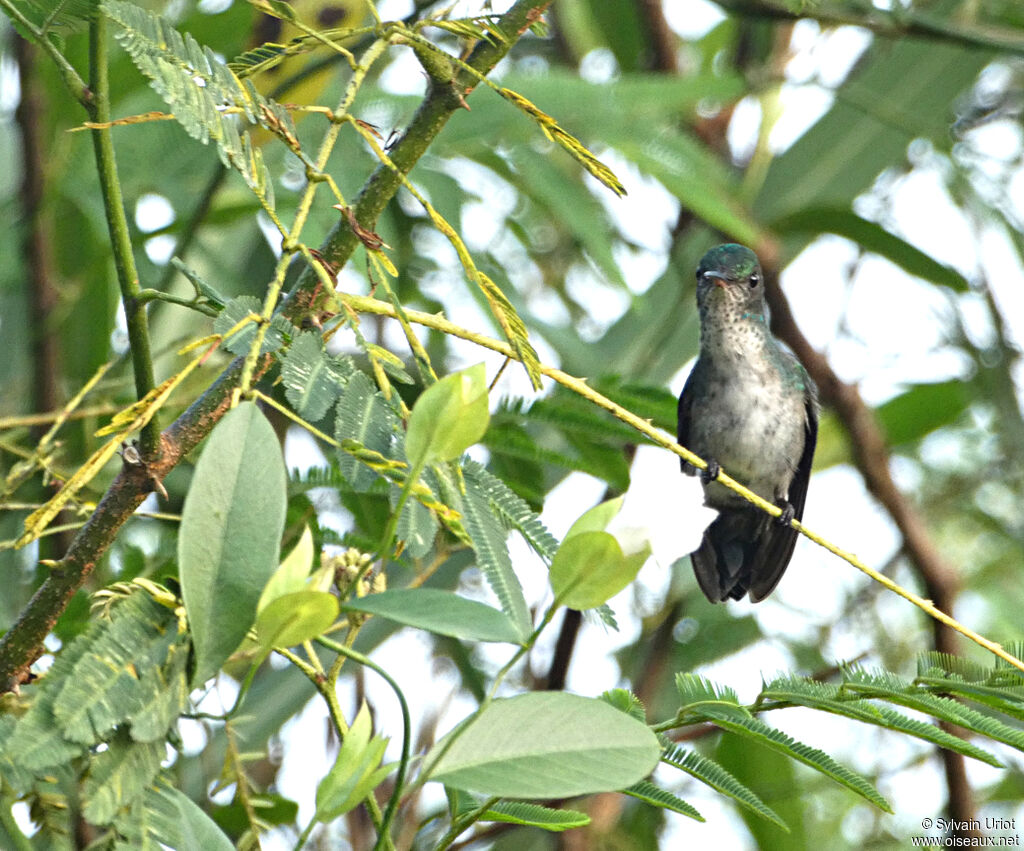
{"points": [[694, 19], [662, 506]]}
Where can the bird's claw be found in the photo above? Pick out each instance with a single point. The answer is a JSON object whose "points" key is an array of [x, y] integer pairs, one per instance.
{"points": [[786, 518], [711, 473]]}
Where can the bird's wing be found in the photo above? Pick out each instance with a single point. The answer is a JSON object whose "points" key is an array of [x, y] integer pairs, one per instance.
{"points": [[798, 487], [684, 412], [777, 548]]}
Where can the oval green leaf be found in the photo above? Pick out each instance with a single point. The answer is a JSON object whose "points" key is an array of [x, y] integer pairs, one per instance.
{"points": [[546, 745], [448, 418], [597, 518], [293, 572], [296, 617], [230, 534], [590, 568], [441, 612]]}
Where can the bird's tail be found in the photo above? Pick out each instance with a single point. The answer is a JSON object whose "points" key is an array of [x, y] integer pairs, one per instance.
{"points": [[742, 550]]}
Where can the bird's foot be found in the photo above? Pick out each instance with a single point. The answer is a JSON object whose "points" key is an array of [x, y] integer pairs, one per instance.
{"points": [[788, 513], [711, 473]]}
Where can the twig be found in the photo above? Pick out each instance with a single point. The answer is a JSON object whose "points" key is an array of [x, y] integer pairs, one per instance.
{"points": [[117, 223]]}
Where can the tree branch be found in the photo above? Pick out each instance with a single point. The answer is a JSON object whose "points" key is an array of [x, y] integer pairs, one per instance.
{"points": [[897, 24]]}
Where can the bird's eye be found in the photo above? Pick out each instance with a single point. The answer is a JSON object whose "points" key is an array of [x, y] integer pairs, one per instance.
{"points": [[754, 281]]}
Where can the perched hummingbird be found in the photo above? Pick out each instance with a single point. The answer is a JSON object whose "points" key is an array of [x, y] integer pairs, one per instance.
{"points": [[749, 408]]}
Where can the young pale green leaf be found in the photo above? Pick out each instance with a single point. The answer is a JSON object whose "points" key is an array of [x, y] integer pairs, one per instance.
{"points": [[230, 534], [296, 617], [356, 772], [441, 612], [448, 418], [545, 745], [292, 573], [589, 569], [597, 518]]}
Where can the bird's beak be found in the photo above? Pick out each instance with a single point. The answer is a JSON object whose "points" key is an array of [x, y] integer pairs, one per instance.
{"points": [[717, 280]]}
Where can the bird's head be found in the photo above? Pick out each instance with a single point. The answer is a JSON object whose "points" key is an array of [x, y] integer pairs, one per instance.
{"points": [[729, 276]]}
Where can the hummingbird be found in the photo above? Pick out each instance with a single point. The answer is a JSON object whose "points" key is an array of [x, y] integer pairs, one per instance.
{"points": [[750, 408]]}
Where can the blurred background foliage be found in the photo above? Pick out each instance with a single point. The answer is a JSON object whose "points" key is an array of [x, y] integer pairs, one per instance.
{"points": [[872, 153]]}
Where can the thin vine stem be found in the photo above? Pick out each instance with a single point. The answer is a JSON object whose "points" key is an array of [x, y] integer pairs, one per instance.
{"points": [[384, 836]]}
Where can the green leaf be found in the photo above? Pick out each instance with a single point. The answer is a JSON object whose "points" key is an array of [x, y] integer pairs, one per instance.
{"points": [[489, 540], [439, 611], [882, 684], [118, 776], [292, 573], [534, 815], [843, 152], [514, 511], [776, 779], [235, 311], [179, 823], [625, 701], [417, 527], [756, 730], [204, 292], [355, 773], [165, 693], [448, 418], [111, 679], [195, 82], [656, 796], [711, 773], [842, 221], [311, 378], [295, 617], [545, 745], [230, 534], [364, 416], [921, 409], [826, 697], [588, 570]]}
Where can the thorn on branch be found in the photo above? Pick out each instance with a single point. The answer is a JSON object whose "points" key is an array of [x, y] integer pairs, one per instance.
{"points": [[132, 457], [371, 240], [371, 128]]}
